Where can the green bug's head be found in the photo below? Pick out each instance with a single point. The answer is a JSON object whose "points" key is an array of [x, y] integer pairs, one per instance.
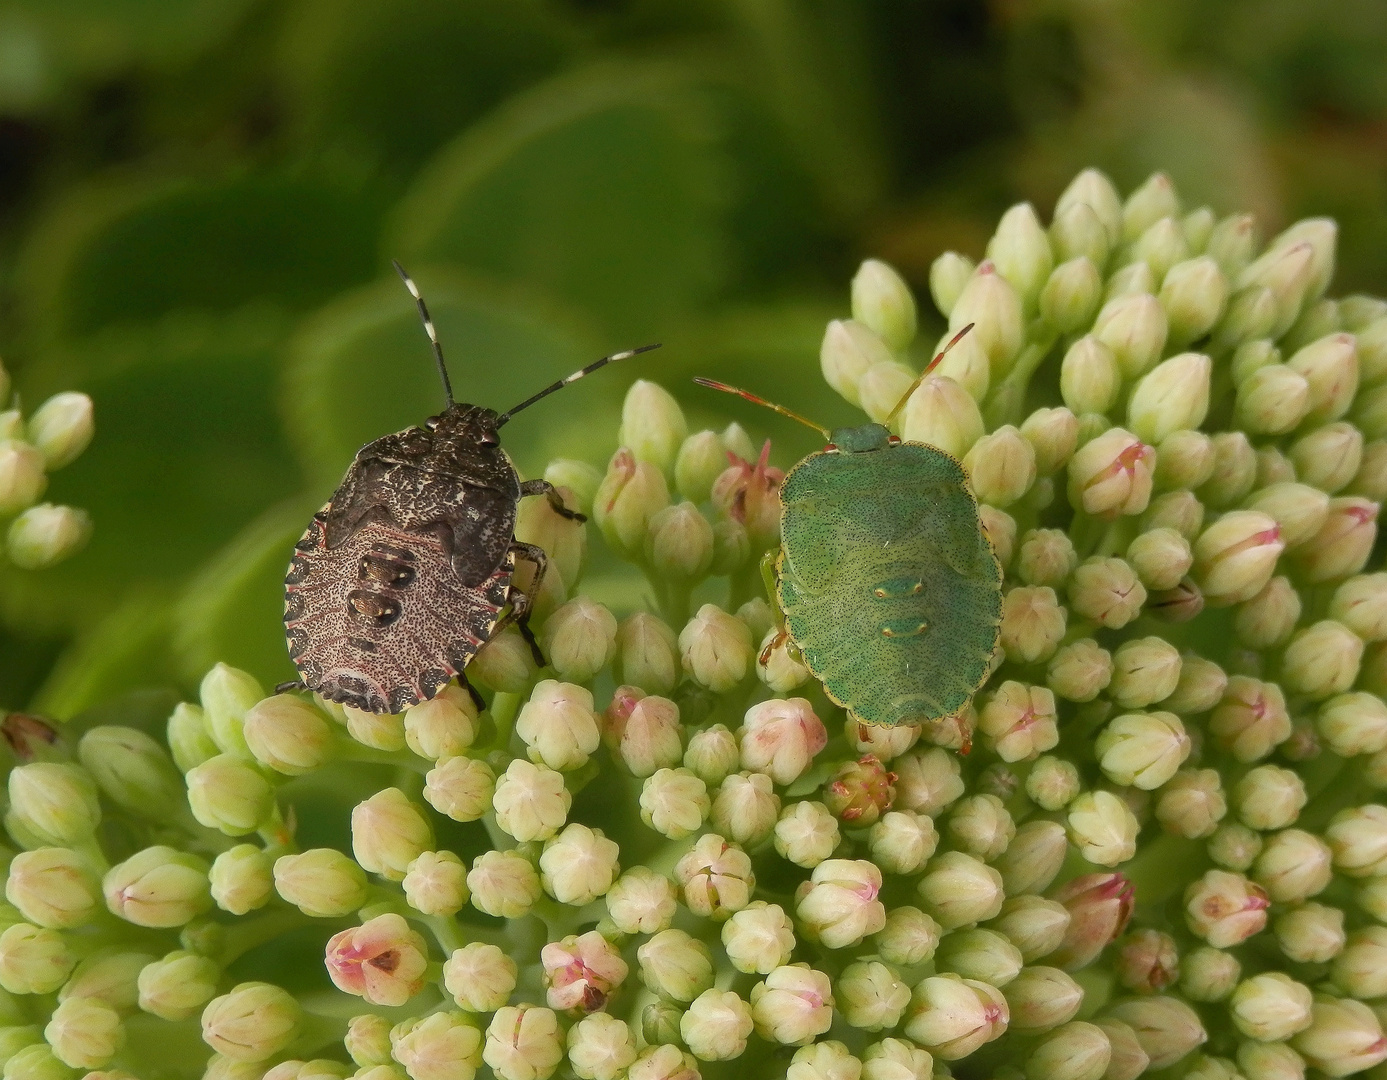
{"points": [[861, 440]]}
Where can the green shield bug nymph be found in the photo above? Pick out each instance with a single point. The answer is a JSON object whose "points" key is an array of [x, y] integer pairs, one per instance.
{"points": [[886, 582]]}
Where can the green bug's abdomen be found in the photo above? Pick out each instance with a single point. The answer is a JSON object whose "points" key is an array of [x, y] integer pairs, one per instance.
{"points": [[889, 586]]}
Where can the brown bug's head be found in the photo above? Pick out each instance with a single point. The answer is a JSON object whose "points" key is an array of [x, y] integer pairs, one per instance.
{"points": [[470, 425]]}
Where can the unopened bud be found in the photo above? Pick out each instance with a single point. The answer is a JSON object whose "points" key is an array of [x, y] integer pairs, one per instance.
{"points": [[712, 754], [1106, 590], [1021, 252], [504, 664], [1001, 466], [1147, 961], [1019, 721], [1328, 457], [1235, 470], [952, 1017], [45, 535], [1225, 909], [1344, 1037], [715, 648], [251, 1023], [993, 307], [1267, 619], [61, 428], [1033, 623], [1310, 933], [1089, 376], [943, 414], [631, 494], [321, 882], [389, 832], [1194, 294], [1353, 724], [1134, 279], [882, 301], [1134, 327], [523, 1042], [1071, 294], [1111, 475], [1074, 1051], [1294, 865], [1192, 803], [1078, 231], [1033, 857], [1269, 797], [1342, 544], [1322, 660], [848, 351], [716, 877], [1080, 671], [647, 654], [1161, 245], [1285, 271], [1102, 827], [806, 833], [1270, 1007], [1184, 460], [948, 275]]}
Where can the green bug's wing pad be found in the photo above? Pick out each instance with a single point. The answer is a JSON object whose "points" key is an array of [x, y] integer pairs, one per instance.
{"points": [[889, 586]]}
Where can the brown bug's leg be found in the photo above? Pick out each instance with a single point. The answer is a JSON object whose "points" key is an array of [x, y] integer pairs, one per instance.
{"points": [[782, 632], [522, 601], [477, 699], [290, 686], [544, 487]]}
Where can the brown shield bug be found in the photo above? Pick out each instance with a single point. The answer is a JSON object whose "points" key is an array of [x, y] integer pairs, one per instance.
{"points": [[409, 568]]}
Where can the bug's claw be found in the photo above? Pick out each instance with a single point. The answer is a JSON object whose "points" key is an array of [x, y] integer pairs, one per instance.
{"points": [[781, 636], [290, 686]]}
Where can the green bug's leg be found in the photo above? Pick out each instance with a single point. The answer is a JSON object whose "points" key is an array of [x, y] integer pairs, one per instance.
{"points": [[782, 632]]}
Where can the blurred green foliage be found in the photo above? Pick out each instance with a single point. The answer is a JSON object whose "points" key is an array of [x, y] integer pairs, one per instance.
{"points": [[199, 200]]}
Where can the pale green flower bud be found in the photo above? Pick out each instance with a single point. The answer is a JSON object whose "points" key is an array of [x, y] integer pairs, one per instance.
{"points": [[716, 877], [943, 414], [1322, 660], [61, 428], [1233, 243], [1071, 294], [1053, 435], [882, 301], [1021, 252], [1285, 270], [436, 883], [1075, 1051], [1036, 926], [580, 638], [286, 734], [806, 833], [712, 754], [1142, 749], [1250, 315], [792, 1005], [1155, 199], [1100, 824], [1273, 467], [1046, 557], [1358, 838], [631, 494], [480, 977], [1134, 279], [1370, 332], [980, 954], [1235, 470], [51, 804], [178, 985], [1194, 294], [1329, 457], [1353, 724], [562, 538], [882, 387], [1093, 189], [578, 865], [253, 1022], [33, 959], [109, 976], [601, 1047], [1089, 376], [1270, 1061], [1166, 1027], [38, 1062], [1042, 998], [1078, 231], [442, 727], [1269, 797], [227, 694], [902, 841], [1161, 557], [1321, 234], [952, 1017], [1225, 909], [1293, 866], [1343, 543], [1270, 1007], [1267, 619], [948, 275], [558, 723], [523, 1042], [242, 879], [460, 788], [990, 303], [1145, 671], [652, 424], [780, 738], [871, 996], [190, 743], [680, 543], [1134, 327], [230, 794], [504, 664], [966, 363], [1111, 475], [849, 349], [647, 654], [701, 460], [664, 1061], [85, 1033], [1001, 466], [675, 965], [1198, 226], [909, 937], [1251, 719], [580, 478], [981, 826], [1310, 933], [1178, 510], [22, 477], [1299, 510], [1330, 369], [958, 889], [53, 887], [1080, 670], [838, 906], [927, 781], [45, 535], [321, 882], [1184, 460], [745, 807], [1251, 356], [896, 1059], [675, 803], [1052, 782], [440, 1045], [1272, 400], [715, 649], [1360, 603], [368, 1040], [1209, 974], [1192, 803], [1107, 591], [1235, 556], [1033, 857], [1361, 969], [1344, 1037], [716, 1026], [158, 887], [389, 832], [1019, 721], [1033, 623], [531, 803], [1161, 246]]}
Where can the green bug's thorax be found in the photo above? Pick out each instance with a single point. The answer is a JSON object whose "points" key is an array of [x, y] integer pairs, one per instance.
{"points": [[861, 440]]}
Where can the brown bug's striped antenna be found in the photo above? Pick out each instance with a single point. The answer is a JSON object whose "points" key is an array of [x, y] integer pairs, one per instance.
{"points": [[713, 384], [928, 368], [428, 328], [572, 379]]}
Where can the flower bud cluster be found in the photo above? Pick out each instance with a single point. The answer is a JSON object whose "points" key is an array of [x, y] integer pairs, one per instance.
{"points": [[39, 534]]}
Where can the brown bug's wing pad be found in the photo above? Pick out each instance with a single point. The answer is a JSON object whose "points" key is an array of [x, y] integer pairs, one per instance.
{"points": [[382, 622], [902, 625]]}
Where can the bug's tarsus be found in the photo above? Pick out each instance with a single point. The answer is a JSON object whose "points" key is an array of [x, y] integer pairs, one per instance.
{"points": [[713, 384], [428, 329], [290, 686], [921, 377], [566, 380], [472, 691], [544, 487]]}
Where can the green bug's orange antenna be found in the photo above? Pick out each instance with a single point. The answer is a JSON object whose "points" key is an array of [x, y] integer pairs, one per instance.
{"points": [[928, 368], [713, 384]]}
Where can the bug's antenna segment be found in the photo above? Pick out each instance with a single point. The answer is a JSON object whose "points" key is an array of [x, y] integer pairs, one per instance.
{"points": [[928, 368], [572, 379], [428, 328], [713, 384]]}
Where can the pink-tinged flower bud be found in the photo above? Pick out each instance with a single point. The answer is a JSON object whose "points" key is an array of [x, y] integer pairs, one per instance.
{"points": [[1033, 857], [440, 1046], [631, 494], [749, 494], [1019, 721], [716, 649], [871, 996], [159, 887], [601, 1047], [1322, 660], [952, 1017], [1234, 558], [1142, 749], [1192, 803], [389, 832], [1107, 591], [1147, 961], [558, 724], [849, 349], [1099, 907], [1042, 998], [943, 414], [1328, 457], [1080, 670], [252, 1023], [531, 802], [33, 960], [910, 937], [859, 792], [1299, 510], [1360, 603], [675, 965], [745, 808], [1293, 866], [780, 738], [1089, 377], [993, 307], [53, 887], [1225, 909], [1343, 543], [1344, 1037], [1270, 1007], [504, 884], [806, 834], [1310, 933], [523, 1042], [647, 654], [382, 960], [460, 788], [1102, 827], [675, 803], [578, 865], [838, 906], [959, 889], [480, 977], [1166, 1027], [1111, 475], [1251, 720], [1033, 623], [1358, 838], [581, 972], [1075, 1051], [1269, 797], [716, 877], [927, 781], [716, 1026]]}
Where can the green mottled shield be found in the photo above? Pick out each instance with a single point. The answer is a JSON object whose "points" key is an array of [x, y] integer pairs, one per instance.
{"points": [[889, 586]]}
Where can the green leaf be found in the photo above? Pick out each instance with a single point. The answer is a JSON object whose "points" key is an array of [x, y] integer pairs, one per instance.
{"points": [[603, 187]]}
